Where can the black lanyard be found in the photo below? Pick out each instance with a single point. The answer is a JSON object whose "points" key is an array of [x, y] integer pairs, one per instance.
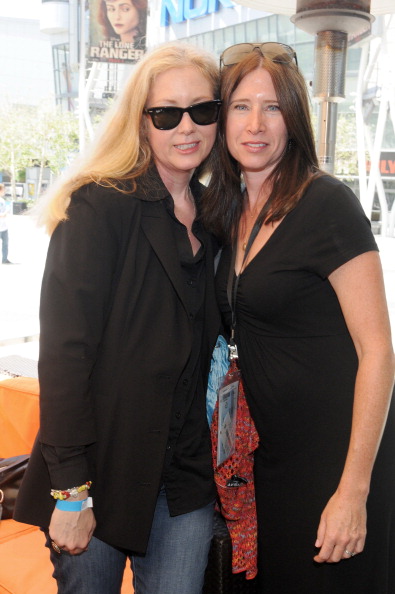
{"points": [[233, 281]]}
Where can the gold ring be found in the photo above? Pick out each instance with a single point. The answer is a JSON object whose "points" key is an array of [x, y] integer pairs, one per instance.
{"points": [[55, 547]]}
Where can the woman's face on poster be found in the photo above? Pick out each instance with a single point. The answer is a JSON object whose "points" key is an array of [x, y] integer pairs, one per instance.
{"points": [[123, 17]]}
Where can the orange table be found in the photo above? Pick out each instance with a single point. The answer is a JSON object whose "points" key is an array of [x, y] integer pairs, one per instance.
{"points": [[18, 415], [25, 567]]}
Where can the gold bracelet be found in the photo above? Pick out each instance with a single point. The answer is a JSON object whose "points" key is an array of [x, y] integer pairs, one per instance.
{"points": [[73, 492]]}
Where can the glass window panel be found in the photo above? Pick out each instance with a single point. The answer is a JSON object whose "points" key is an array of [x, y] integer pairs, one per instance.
{"points": [[302, 36], [197, 39], [229, 36], [272, 28], [62, 77], [219, 42], [240, 33], [353, 59], [284, 30], [251, 32], [208, 40], [305, 54], [263, 29]]}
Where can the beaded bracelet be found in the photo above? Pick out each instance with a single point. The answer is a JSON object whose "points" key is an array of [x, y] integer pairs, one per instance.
{"points": [[56, 494]]}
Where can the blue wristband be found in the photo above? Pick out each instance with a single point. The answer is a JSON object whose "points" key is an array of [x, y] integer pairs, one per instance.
{"points": [[65, 505]]}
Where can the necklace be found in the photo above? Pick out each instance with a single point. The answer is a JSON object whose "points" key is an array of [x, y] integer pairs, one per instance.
{"points": [[246, 227], [248, 220]]}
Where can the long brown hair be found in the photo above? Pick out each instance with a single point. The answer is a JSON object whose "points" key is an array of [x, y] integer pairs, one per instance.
{"points": [[223, 201]]}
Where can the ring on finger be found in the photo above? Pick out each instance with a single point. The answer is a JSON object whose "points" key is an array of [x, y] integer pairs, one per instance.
{"points": [[349, 553], [55, 547]]}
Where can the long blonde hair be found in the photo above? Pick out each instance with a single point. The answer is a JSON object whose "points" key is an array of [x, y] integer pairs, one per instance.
{"points": [[121, 151]]}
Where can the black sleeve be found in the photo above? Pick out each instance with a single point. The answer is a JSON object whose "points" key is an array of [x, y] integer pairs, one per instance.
{"points": [[75, 300], [338, 227], [67, 467]]}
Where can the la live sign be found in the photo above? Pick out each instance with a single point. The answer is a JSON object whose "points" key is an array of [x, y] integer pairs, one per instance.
{"points": [[182, 10]]}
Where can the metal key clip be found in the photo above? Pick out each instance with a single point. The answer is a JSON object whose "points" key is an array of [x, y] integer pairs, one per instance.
{"points": [[233, 351], [233, 354]]}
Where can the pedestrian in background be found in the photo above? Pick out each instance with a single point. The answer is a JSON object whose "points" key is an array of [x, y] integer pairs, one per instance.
{"points": [[4, 211]]}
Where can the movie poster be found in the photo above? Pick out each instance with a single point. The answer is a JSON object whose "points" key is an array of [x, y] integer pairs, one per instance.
{"points": [[117, 31]]}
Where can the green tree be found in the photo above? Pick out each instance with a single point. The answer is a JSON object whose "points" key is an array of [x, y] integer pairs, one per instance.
{"points": [[15, 151], [346, 160], [55, 139], [36, 136]]}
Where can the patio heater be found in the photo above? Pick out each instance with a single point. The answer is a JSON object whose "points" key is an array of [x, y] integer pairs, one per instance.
{"points": [[335, 23]]}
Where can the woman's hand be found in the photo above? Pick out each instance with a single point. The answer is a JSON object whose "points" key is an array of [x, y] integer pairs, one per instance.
{"points": [[72, 531], [342, 529]]}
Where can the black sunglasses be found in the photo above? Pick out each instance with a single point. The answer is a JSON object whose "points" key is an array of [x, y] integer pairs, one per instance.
{"points": [[167, 118], [276, 52]]}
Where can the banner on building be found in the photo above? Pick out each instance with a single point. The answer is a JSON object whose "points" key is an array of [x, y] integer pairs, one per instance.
{"points": [[386, 163], [117, 30]]}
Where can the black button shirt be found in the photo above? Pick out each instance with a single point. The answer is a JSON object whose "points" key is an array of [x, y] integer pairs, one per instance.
{"points": [[187, 472]]}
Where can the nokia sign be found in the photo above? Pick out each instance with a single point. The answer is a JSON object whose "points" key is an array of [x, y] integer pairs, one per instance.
{"points": [[182, 10]]}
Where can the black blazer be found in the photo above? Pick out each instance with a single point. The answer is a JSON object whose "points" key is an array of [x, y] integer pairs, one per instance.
{"points": [[115, 337]]}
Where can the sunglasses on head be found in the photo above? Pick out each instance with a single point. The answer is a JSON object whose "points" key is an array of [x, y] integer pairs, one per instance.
{"points": [[167, 118], [276, 52]]}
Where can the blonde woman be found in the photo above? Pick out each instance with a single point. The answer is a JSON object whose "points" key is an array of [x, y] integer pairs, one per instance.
{"points": [[128, 324]]}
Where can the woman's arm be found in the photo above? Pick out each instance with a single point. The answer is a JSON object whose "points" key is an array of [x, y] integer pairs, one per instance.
{"points": [[75, 299], [359, 287]]}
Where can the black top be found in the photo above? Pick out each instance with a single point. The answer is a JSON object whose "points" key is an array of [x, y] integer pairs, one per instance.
{"points": [[299, 365], [119, 351], [186, 453]]}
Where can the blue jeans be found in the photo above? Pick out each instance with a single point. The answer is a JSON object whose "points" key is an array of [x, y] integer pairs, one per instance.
{"points": [[175, 561]]}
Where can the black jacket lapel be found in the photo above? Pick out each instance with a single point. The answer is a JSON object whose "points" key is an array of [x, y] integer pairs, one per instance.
{"points": [[156, 225]]}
